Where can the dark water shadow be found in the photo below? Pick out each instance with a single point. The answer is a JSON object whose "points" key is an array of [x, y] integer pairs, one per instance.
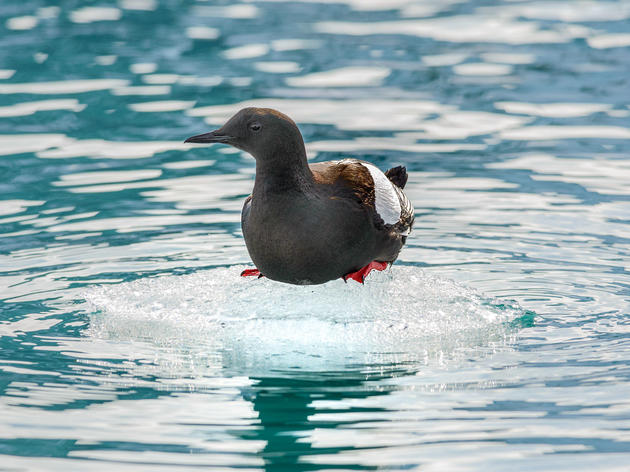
{"points": [[288, 405]]}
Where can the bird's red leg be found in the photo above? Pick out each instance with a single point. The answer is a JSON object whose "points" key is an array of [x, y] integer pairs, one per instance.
{"points": [[362, 273], [251, 273]]}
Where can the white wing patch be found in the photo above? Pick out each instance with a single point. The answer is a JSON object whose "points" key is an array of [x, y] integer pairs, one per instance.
{"points": [[385, 196]]}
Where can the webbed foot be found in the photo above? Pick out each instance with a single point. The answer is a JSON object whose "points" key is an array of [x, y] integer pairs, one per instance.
{"points": [[362, 273], [251, 273]]}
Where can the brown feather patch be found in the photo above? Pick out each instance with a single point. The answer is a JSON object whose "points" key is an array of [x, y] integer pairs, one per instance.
{"points": [[352, 175]]}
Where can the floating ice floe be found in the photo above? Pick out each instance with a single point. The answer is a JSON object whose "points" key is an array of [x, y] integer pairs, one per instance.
{"points": [[400, 316]]}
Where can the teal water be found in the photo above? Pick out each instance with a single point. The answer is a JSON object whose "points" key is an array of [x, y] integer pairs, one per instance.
{"points": [[499, 341]]}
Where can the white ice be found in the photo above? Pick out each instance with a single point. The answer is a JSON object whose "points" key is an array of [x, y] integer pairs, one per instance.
{"points": [[256, 325]]}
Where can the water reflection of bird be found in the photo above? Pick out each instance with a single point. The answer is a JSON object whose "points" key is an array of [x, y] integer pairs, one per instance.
{"points": [[308, 224]]}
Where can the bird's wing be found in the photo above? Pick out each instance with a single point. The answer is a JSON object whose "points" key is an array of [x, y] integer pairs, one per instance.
{"points": [[245, 212], [372, 189]]}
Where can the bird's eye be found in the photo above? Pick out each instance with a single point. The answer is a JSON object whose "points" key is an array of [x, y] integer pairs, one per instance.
{"points": [[255, 127]]}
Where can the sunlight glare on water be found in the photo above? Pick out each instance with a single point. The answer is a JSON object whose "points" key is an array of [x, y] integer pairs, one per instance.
{"points": [[499, 340]]}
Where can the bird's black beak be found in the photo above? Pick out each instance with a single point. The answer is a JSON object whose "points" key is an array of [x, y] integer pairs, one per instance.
{"points": [[216, 136]]}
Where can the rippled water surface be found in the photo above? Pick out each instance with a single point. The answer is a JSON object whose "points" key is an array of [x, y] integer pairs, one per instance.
{"points": [[499, 341]]}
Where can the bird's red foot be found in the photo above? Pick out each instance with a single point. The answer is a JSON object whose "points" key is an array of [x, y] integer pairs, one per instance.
{"points": [[251, 273], [362, 273]]}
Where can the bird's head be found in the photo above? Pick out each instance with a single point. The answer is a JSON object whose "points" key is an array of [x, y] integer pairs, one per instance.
{"points": [[264, 133]]}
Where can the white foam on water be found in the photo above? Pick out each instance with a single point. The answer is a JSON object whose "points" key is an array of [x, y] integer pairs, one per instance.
{"points": [[142, 90], [29, 108], [294, 44], [482, 68], [239, 11], [202, 32], [102, 149], [246, 52], [553, 110], [161, 106], [146, 5], [143, 68], [477, 27], [399, 316], [342, 77], [550, 132], [63, 86], [21, 23], [278, 67], [160, 79], [92, 14], [365, 5], [605, 41]]}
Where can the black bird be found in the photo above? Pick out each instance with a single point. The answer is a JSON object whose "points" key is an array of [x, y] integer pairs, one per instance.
{"points": [[308, 224]]}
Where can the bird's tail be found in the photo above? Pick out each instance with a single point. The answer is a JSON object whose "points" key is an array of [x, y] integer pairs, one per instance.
{"points": [[398, 175]]}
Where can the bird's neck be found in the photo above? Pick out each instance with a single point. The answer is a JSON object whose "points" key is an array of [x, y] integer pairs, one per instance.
{"points": [[283, 173]]}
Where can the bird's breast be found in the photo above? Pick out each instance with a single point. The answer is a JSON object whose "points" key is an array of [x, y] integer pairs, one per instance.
{"points": [[303, 239]]}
